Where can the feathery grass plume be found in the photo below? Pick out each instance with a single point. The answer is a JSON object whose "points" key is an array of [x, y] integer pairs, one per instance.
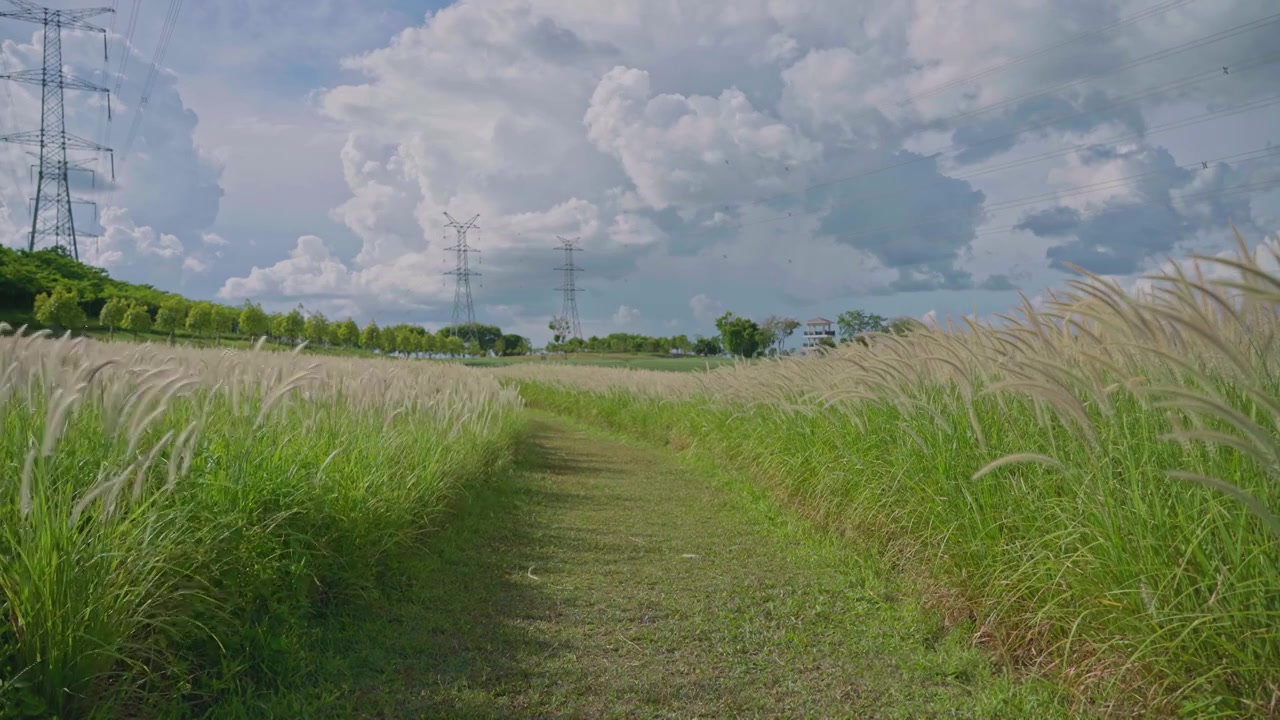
{"points": [[125, 577], [1143, 595]]}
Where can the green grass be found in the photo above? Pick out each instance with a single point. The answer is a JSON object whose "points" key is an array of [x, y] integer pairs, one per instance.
{"points": [[1137, 593], [635, 361], [17, 319], [176, 546], [605, 580]]}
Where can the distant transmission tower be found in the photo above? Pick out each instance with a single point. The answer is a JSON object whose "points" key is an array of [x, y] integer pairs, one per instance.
{"points": [[567, 324], [464, 313], [51, 219]]}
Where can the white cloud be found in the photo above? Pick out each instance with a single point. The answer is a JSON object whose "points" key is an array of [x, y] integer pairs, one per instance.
{"points": [[688, 151], [310, 270], [652, 131], [635, 230], [626, 316], [705, 309]]}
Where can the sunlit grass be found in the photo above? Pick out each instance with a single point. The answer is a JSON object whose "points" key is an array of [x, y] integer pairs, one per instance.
{"points": [[1093, 482], [172, 518]]}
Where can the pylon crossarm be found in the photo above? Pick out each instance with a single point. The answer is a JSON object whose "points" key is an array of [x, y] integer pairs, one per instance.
{"points": [[78, 15], [75, 142], [36, 77], [74, 19], [29, 137]]}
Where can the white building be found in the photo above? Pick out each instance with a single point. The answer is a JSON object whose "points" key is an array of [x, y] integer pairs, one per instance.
{"points": [[817, 329]]}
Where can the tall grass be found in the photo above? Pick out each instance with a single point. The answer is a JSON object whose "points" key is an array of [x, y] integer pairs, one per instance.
{"points": [[172, 520], [1092, 483]]}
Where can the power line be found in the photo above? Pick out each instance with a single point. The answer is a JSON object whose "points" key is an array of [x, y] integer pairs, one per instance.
{"points": [[162, 47], [1237, 68], [52, 219], [1129, 20], [1216, 71], [1137, 62], [1271, 153], [128, 44], [1242, 189], [1021, 162]]}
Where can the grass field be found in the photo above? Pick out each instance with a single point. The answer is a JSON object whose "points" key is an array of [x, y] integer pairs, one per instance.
{"points": [[175, 521], [1093, 486], [604, 580], [1070, 514], [633, 361]]}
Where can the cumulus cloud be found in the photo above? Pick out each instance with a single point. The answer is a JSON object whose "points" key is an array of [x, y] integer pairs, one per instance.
{"points": [[626, 316], [1165, 206], [705, 309], [776, 156], [688, 151]]}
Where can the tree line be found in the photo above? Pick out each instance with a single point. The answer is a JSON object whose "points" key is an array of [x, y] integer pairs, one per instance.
{"points": [[632, 342], [62, 309], [61, 293], [747, 338]]}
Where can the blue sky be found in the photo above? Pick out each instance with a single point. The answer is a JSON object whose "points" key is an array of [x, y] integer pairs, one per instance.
{"points": [[305, 152]]}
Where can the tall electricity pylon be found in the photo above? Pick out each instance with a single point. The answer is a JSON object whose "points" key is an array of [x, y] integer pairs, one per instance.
{"points": [[567, 323], [51, 219], [464, 313]]}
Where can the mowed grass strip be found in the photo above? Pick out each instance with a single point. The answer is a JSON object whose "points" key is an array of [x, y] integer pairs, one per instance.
{"points": [[606, 580]]}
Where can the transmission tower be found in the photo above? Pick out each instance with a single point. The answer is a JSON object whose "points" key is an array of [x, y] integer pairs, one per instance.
{"points": [[464, 314], [567, 324], [52, 221]]}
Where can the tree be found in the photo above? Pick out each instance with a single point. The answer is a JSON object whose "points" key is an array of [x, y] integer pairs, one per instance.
{"points": [[200, 320], [348, 333], [780, 328], [316, 328], [113, 313], [371, 336], [137, 320], [741, 336], [254, 321], [513, 344], [60, 309], [487, 335], [224, 321], [707, 347], [856, 322], [454, 346], [171, 316], [292, 325]]}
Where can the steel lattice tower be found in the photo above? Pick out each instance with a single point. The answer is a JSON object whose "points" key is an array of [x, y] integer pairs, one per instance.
{"points": [[568, 322], [464, 313], [52, 221]]}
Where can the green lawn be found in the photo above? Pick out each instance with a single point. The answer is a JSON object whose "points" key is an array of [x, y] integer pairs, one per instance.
{"points": [[606, 580], [637, 361]]}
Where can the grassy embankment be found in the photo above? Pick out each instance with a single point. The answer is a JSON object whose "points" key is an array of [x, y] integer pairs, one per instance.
{"points": [[176, 521], [1093, 486]]}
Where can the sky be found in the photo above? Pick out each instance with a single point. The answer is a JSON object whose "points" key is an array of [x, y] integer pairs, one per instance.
{"points": [[766, 157]]}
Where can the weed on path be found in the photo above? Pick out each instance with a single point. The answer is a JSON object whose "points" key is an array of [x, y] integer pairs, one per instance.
{"points": [[605, 580]]}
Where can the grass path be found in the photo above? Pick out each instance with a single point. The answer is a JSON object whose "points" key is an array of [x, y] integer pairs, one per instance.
{"points": [[608, 580]]}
